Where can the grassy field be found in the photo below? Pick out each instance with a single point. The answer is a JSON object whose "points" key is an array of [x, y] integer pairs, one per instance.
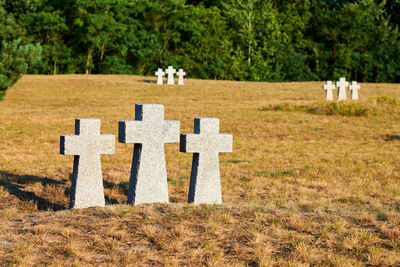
{"points": [[308, 183]]}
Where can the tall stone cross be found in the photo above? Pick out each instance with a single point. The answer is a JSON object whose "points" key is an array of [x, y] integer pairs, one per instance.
{"points": [[87, 145], [342, 85], [180, 74], [205, 143], [354, 87], [160, 74], [329, 87], [170, 72], [149, 132]]}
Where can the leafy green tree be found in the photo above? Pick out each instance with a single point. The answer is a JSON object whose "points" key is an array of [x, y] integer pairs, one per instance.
{"points": [[15, 57], [258, 40], [48, 28], [14, 61], [355, 40], [94, 28], [255, 35]]}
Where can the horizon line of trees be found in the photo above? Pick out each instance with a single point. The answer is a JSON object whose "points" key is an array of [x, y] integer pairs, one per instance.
{"points": [[256, 40]]}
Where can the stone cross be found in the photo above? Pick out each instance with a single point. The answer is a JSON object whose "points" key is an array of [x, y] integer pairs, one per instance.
{"points": [[354, 87], [329, 87], [149, 132], [205, 143], [87, 145], [170, 72], [160, 74], [180, 74], [342, 84]]}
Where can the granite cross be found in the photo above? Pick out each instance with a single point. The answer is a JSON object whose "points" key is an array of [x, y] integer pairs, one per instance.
{"points": [[87, 145], [170, 72], [160, 74], [149, 132], [205, 143], [342, 84], [180, 74], [354, 87], [329, 87]]}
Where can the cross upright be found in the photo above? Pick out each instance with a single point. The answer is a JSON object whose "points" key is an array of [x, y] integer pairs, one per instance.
{"points": [[329, 87], [87, 145], [160, 74], [342, 85], [205, 143], [180, 74], [354, 87], [170, 72], [149, 132]]}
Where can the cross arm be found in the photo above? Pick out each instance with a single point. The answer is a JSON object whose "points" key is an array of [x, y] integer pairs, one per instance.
{"points": [[70, 145], [190, 143], [106, 144], [131, 132], [225, 143], [171, 131]]}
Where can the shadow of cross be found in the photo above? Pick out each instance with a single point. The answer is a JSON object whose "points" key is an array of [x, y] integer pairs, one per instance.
{"points": [[87, 145], [149, 132], [205, 143]]}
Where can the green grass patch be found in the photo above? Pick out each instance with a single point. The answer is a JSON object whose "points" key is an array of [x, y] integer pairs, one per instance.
{"points": [[174, 181], [275, 173], [237, 160], [386, 100], [323, 108]]}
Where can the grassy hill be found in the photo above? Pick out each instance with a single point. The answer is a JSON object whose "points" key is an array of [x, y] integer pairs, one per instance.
{"points": [[308, 183]]}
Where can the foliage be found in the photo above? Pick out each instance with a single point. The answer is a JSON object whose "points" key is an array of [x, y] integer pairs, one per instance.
{"points": [[256, 40], [14, 61], [15, 55]]}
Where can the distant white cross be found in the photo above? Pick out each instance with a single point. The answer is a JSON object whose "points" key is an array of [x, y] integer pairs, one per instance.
{"points": [[87, 145], [149, 132], [354, 87], [205, 143], [170, 72], [342, 85], [329, 87], [180, 74], [160, 74]]}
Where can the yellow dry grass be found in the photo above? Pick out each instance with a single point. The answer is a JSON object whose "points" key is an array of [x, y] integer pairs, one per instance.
{"points": [[299, 189]]}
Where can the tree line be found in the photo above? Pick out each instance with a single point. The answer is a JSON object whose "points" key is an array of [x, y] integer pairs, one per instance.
{"points": [[256, 40]]}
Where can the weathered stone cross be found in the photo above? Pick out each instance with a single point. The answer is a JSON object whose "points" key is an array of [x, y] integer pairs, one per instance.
{"points": [[354, 87], [342, 85], [180, 74], [329, 87], [170, 72], [205, 143], [149, 132], [87, 145], [160, 74]]}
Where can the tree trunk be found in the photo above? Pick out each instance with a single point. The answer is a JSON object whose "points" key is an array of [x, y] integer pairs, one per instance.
{"points": [[55, 67], [250, 29], [102, 51], [88, 61]]}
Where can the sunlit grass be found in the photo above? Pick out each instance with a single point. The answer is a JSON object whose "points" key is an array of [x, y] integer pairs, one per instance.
{"points": [[309, 182]]}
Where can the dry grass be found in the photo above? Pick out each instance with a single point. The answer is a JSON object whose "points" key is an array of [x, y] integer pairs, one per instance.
{"points": [[300, 189]]}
